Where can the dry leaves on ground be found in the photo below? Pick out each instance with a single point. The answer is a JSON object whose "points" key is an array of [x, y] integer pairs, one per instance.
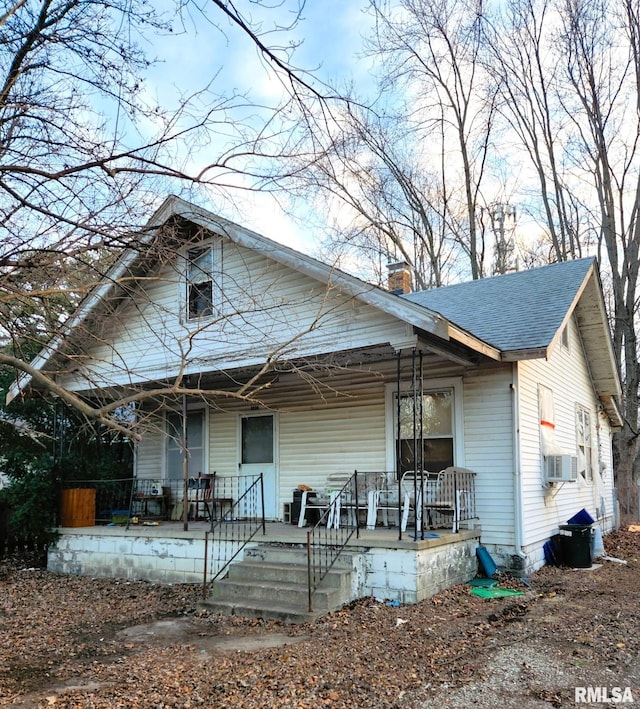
{"points": [[64, 645]]}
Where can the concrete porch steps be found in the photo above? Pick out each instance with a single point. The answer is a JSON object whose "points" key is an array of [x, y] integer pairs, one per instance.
{"points": [[271, 582]]}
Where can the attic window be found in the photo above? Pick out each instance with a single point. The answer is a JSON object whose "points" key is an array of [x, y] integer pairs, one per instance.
{"points": [[200, 282]]}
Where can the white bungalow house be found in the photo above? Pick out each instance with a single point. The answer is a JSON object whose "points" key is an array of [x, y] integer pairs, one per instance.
{"points": [[310, 368]]}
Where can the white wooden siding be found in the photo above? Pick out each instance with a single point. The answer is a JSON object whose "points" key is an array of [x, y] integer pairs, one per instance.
{"points": [[223, 443], [339, 428], [567, 375], [316, 437], [315, 444], [488, 442], [150, 453], [342, 429], [266, 306]]}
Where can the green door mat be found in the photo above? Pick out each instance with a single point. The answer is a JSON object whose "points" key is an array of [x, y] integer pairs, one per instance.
{"points": [[495, 592]]}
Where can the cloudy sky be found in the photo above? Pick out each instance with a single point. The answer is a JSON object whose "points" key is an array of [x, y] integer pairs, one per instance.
{"points": [[329, 36]]}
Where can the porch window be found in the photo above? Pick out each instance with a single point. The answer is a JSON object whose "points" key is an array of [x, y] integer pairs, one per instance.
{"points": [[584, 443], [200, 291], [195, 445], [426, 430]]}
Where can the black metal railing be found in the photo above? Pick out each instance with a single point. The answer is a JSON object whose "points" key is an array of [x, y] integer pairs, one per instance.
{"points": [[444, 500], [89, 502], [24, 548], [209, 496], [419, 501], [327, 539], [237, 516], [127, 500]]}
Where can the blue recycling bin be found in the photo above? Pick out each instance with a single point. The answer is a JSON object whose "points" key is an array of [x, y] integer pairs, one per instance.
{"points": [[582, 517]]}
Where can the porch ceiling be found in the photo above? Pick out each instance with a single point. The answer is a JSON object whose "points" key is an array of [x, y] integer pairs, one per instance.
{"points": [[232, 379]]}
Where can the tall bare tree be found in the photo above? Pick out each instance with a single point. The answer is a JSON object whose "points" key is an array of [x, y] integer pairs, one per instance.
{"points": [[529, 87], [603, 74], [540, 94], [405, 173], [390, 206], [86, 149], [433, 50], [568, 72]]}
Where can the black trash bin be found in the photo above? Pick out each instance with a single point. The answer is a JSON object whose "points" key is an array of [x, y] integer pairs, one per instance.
{"points": [[297, 503], [575, 545]]}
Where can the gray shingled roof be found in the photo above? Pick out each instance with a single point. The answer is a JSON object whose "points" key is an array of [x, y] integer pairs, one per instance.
{"points": [[516, 311]]}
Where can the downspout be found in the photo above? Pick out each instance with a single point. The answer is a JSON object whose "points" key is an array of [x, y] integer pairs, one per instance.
{"points": [[517, 471]]}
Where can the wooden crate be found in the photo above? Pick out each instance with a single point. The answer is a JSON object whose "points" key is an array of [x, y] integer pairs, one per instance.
{"points": [[78, 507]]}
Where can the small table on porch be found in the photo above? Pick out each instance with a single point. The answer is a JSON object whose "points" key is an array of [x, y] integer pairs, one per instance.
{"points": [[141, 502]]}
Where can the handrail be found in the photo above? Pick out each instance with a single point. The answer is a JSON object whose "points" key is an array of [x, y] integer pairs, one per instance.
{"points": [[326, 544], [440, 499], [230, 534]]}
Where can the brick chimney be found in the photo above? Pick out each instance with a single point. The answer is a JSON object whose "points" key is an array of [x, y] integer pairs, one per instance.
{"points": [[399, 277]]}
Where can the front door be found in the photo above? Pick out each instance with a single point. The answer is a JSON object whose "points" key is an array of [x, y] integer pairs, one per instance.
{"points": [[258, 455]]}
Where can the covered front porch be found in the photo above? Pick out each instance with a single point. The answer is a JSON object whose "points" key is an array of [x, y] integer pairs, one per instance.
{"points": [[354, 534]]}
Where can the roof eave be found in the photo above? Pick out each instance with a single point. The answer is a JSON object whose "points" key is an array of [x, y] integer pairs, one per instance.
{"points": [[465, 338], [415, 315], [612, 410], [531, 353]]}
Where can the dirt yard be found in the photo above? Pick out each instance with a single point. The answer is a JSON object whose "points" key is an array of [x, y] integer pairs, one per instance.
{"points": [[79, 642]]}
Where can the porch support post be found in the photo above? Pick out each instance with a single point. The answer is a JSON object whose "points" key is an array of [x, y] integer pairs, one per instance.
{"points": [[421, 439], [58, 447], [185, 466], [398, 448], [414, 423], [421, 411]]}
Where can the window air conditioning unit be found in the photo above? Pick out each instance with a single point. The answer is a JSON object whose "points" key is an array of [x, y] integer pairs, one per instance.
{"points": [[561, 468]]}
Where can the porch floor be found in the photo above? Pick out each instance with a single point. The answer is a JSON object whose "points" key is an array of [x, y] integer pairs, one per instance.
{"points": [[280, 532]]}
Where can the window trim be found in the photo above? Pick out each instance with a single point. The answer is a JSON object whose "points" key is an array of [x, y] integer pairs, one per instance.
{"points": [[214, 247], [587, 473], [191, 409], [453, 383]]}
